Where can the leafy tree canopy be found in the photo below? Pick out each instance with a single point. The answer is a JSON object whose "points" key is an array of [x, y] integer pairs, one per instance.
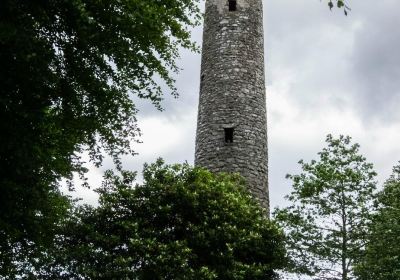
{"points": [[181, 223], [68, 70], [23, 255], [382, 257], [326, 220]]}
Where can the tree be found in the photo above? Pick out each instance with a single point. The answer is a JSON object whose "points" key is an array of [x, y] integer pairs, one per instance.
{"points": [[326, 221], [181, 223], [381, 259], [20, 257], [68, 72]]}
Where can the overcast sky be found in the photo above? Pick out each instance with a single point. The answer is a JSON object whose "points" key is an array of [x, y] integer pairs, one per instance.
{"points": [[325, 73]]}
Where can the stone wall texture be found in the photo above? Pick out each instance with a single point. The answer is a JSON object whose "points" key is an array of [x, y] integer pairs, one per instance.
{"points": [[232, 94]]}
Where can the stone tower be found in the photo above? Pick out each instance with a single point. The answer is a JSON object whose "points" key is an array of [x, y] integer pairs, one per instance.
{"points": [[232, 122]]}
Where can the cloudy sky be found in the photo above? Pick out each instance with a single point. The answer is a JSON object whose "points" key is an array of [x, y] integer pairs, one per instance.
{"points": [[325, 73]]}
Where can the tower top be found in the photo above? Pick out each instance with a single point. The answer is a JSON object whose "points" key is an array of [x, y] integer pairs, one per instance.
{"points": [[229, 5]]}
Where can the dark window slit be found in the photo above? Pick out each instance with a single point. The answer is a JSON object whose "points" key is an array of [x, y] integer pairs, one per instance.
{"points": [[232, 5], [228, 135]]}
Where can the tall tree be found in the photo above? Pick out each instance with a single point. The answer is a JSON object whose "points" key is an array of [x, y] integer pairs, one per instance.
{"points": [[68, 71], [181, 223], [326, 221], [381, 260]]}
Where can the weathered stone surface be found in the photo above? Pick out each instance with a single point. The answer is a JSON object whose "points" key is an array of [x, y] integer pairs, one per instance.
{"points": [[232, 94]]}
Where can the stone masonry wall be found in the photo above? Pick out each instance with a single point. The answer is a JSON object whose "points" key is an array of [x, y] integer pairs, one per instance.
{"points": [[232, 94]]}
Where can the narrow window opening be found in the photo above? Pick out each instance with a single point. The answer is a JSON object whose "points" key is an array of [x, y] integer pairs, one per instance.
{"points": [[232, 5], [202, 77], [228, 135]]}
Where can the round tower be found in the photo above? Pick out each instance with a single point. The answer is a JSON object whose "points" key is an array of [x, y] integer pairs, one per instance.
{"points": [[232, 122]]}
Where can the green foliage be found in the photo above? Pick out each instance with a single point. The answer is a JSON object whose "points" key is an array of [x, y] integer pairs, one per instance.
{"points": [[326, 221], [19, 256], [382, 256], [340, 4], [68, 71], [181, 223]]}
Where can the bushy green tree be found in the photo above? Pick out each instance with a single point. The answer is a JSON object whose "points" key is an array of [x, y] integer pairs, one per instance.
{"points": [[19, 258], [382, 256], [326, 221], [181, 223], [68, 71]]}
